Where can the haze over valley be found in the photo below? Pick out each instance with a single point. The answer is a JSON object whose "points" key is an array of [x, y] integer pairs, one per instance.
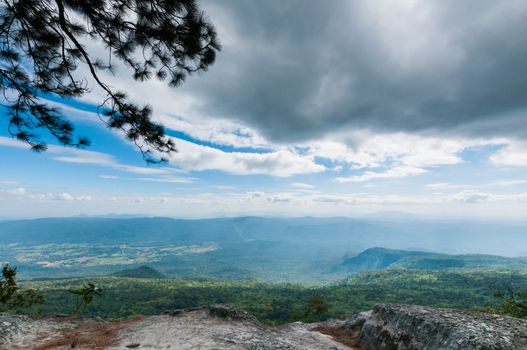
{"points": [[307, 250]]}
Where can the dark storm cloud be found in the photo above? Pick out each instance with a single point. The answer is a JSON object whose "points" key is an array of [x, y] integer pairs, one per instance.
{"points": [[297, 69]]}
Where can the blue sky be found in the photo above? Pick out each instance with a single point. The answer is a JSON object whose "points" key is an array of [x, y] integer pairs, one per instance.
{"points": [[465, 179], [275, 128]]}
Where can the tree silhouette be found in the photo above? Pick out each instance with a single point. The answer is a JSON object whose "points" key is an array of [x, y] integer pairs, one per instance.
{"points": [[41, 47]]}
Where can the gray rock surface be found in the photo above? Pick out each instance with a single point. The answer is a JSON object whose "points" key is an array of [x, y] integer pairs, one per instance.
{"points": [[410, 327], [230, 313], [221, 327], [386, 327], [218, 327], [22, 332]]}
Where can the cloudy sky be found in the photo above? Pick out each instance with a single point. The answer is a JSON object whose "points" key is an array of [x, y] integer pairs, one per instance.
{"points": [[312, 108]]}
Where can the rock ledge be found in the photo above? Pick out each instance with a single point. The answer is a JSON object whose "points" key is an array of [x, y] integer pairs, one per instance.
{"points": [[410, 327], [386, 327]]}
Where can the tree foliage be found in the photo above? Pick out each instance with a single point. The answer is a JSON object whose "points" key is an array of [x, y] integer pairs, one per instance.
{"points": [[42, 47], [508, 301], [274, 303], [84, 296], [12, 296], [316, 308]]}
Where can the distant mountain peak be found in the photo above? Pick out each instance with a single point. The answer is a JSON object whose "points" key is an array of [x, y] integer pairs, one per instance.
{"points": [[378, 258]]}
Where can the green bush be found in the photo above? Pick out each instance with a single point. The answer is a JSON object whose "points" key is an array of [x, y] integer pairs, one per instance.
{"points": [[508, 301], [12, 296]]}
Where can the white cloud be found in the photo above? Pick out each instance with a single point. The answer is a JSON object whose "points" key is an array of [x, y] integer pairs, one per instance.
{"points": [[11, 142], [302, 185], [65, 197], [105, 160], [280, 198], [194, 157], [406, 154], [362, 149], [167, 179], [268, 203], [513, 154], [300, 198], [18, 191], [476, 196], [282, 163], [27, 195], [336, 199], [79, 156], [109, 177], [143, 170], [396, 172], [161, 178], [224, 187], [255, 194], [443, 186], [469, 196], [217, 131], [82, 157], [503, 183]]}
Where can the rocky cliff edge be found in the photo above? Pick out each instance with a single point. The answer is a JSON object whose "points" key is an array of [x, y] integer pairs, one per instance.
{"points": [[386, 327]]}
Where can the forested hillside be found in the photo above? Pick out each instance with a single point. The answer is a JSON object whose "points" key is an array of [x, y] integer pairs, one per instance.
{"points": [[382, 258], [279, 303]]}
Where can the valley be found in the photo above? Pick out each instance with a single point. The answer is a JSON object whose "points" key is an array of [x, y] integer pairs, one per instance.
{"points": [[311, 251]]}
